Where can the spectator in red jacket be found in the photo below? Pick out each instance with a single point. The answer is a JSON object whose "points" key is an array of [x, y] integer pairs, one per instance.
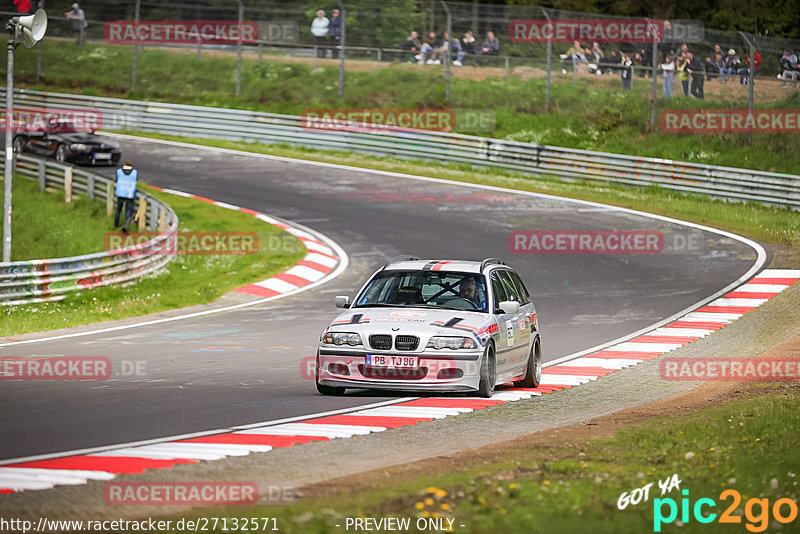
{"points": [[744, 72], [23, 6]]}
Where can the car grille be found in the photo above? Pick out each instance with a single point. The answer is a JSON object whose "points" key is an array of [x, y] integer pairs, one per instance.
{"points": [[393, 373], [380, 341], [406, 342]]}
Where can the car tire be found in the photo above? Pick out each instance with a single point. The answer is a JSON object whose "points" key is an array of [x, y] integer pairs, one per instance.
{"points": [[19, 145], [326, 390], [488, 372], [61, 153], [533, 371]]}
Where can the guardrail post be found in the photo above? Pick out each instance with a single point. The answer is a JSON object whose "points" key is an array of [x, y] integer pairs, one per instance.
{"points": [[507, 72], [153, 216], [260, 50], [90, 186], [379, 57], [162, 220], [42, 175], [109, 199], [141, 215], [68, 185]]}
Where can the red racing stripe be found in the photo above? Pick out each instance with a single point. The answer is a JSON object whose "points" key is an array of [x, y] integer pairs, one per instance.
{"points": [[664, 339], [452, 403], [292, 279], [726, 309], [258, 291], [577, 371], [626, 355], [316, 266], [120, 465], [254, 439], [439, 265], [705, 325], [776, 281], [368, 420]]}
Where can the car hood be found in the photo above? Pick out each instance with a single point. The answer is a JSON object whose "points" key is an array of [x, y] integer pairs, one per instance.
{"points": [[86, 139], [416, 321]]}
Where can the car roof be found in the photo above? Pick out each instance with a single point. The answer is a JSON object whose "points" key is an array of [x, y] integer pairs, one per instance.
{"points": [[464, 266]]}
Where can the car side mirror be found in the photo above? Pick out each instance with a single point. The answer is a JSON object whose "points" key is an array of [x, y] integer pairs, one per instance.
{"points": [[509, 306], [341, 301]]}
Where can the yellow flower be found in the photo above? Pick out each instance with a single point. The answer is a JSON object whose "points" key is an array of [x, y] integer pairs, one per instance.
{"points": [[482, 500], [440, 493], [512, 485], [431, 489], [435, 514], [428, 501], [445, 506], [425, 514], [711, 449], [419, 506], [758, 439], [546, 483]]}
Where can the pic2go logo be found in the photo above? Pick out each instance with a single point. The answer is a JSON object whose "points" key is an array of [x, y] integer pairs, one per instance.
{"points": [[756, 511]]}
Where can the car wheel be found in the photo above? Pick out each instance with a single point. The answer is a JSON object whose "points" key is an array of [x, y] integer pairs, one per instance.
{"points": [[488, 373], [19, 145], [326, 390], [533, 371], [61, 154]]}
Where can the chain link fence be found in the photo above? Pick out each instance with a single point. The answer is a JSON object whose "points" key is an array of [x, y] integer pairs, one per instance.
{"points": [[483, 42]]}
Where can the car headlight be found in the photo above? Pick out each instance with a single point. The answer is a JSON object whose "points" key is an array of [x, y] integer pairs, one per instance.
{"points": [[452, 343], [79, 147], [341, 338]]}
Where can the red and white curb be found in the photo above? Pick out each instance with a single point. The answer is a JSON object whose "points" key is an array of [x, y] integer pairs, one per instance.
{"points": [[106, 464], [318, 263]]}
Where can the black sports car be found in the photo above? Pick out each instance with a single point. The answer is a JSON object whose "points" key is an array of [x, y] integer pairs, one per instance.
{"points": [[62, 140]]}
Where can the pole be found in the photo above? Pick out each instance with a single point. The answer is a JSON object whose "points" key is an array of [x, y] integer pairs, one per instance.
{"points": [[9, 163], [343, 15], [655, 79], [135, 46], [750, 81], [39, 54], [447, 51], [239, 49], [549, 62]]}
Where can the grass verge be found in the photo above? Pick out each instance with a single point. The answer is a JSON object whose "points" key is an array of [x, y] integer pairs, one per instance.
{"points": [[780, 227], [45, 227], [594, 115], [744, 444]]}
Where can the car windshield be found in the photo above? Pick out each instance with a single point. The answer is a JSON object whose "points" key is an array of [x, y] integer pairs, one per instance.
{"points": [[61, 126], [425, 289]]}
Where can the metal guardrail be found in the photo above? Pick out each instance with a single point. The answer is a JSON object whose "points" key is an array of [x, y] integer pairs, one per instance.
{"points": [[26, 282], [250, 126]]}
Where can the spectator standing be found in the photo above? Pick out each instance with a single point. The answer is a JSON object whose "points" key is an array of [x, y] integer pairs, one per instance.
{"points": [[668, 68], [681, 62], [125, 193], [574, 55], [23, 6], [467, 48], [789, 68], [695, 69], [627, 72], [319, 29], [335, 31], [744, 72], [79, 24]]}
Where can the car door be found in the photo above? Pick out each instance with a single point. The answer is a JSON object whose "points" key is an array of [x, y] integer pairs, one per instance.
{"points": [[37, 142], [521, 328], [506, 343]]}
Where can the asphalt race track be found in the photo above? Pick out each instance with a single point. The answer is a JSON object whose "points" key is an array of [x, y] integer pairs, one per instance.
{"points": [[244, 366]]}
